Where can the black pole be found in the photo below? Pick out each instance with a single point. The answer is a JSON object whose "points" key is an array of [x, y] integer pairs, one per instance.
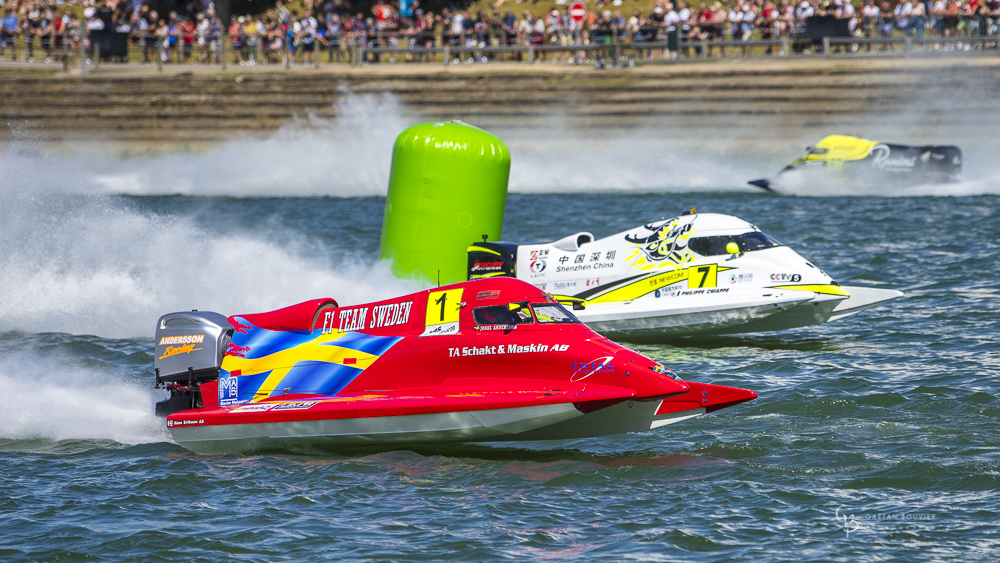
{"points": [[222, 9]]}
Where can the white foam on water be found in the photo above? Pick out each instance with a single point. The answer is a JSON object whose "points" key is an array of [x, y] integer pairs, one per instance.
{"points": [[350, 156], [88, 265], [816, 184], [42, 397], [346, 157], [927, 118], [635, 161]]}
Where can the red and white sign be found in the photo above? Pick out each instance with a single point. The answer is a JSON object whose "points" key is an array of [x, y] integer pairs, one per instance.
{"points": [[578, 11]]}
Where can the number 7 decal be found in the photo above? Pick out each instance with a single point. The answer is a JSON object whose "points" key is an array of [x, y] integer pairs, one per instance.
{"points": [[703, 276]]}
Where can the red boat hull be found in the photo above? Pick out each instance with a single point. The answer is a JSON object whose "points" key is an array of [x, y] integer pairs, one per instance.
{"points": [[434, 366]]}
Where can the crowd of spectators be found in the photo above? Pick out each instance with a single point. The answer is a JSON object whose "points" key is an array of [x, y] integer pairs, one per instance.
{"points": [[280, 34]]}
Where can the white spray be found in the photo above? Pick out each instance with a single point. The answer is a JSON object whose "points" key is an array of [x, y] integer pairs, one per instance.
{"points": [[42, 397]]}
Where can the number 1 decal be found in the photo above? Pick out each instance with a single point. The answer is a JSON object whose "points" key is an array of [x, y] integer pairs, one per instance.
{"points": [[442, 300], [442, 312], [703, 276]]}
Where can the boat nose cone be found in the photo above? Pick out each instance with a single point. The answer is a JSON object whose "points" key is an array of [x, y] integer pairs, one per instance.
{"points": [[705, 396], [716, 397]]}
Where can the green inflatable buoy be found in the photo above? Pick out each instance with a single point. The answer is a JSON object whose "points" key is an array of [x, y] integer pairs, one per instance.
{"points": [[447, 188]]}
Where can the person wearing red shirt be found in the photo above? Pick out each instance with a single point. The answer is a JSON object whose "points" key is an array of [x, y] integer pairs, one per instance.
{"points": [[383, 13], [186, 30], [236, 41]]}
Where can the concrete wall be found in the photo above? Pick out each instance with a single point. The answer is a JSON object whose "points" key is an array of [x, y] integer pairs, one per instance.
{"points": [[727, 99]]}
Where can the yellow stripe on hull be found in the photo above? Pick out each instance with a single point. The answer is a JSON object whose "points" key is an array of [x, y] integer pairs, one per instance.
{"points": [[279, 363], [828, 289], [696, 277], [481, 249]]}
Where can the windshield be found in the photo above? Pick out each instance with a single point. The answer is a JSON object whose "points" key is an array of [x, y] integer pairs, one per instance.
{"points": [[501, 315], [758, 241], [553, 313], [748, 242]]}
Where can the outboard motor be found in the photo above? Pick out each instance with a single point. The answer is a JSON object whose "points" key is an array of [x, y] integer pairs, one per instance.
{"points": [[190, 346], [943, 163]]}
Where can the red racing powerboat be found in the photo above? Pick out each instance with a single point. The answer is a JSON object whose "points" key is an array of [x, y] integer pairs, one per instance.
{"points": [[488, 360]]}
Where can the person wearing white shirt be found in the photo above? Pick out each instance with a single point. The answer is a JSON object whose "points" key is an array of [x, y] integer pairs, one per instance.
{"points": [[672, 18], [684, 15], [747, 27], [525, 26], [869, 17], [735, 18], [805, 10], [918, 18], [902, 16], [93, 24], [937, 12], [848, 12], [309, 26]]}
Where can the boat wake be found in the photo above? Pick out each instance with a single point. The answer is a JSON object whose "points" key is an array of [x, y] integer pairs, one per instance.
{"points": [[350, 156], [976, 183], [43, 398], [95, 265]]}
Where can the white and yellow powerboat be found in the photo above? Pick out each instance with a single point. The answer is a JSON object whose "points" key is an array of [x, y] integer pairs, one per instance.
{"points": [[696, 273]]}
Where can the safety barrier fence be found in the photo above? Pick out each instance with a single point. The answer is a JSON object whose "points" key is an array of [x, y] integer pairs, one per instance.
{"points": [[942, 25], [618, 54], [84, 54]]}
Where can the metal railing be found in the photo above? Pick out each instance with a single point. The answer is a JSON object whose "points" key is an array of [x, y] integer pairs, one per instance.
{"points": [[908, 45], [223, 52], [629, 54]]}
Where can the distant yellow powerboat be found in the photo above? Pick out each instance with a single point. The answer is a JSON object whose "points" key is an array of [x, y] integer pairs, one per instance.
{"points": [[839, 159]]}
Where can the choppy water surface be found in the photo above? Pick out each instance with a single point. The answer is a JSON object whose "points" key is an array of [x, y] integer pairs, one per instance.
{"points": [[875, 437]]}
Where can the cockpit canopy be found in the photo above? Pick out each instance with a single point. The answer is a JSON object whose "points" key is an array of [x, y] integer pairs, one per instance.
{"points": [[521, 313], [838, 148], [716, 246]]}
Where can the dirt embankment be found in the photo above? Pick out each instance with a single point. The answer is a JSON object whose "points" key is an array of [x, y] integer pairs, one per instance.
{"points": [[710, 100]]}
